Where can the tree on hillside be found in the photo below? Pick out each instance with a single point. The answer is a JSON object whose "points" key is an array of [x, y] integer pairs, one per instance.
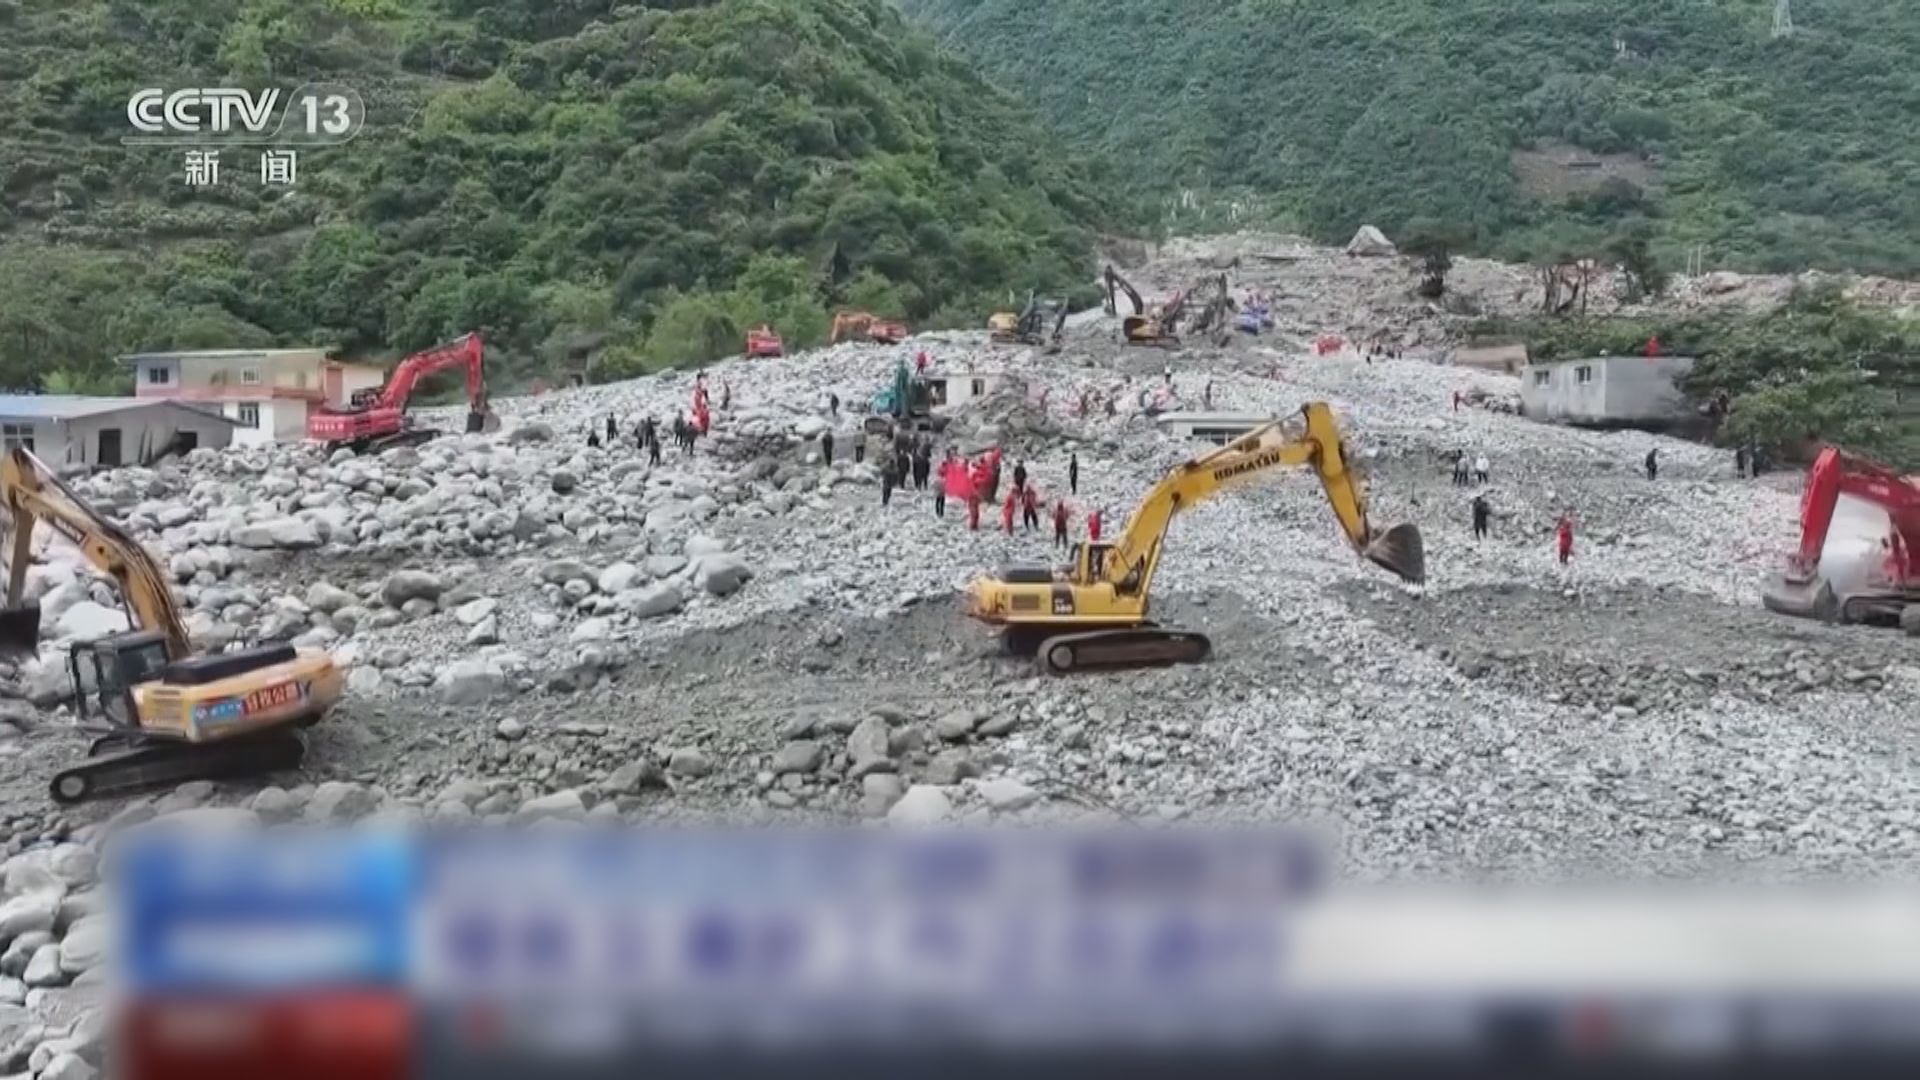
{"points": [[1633, 251], [1434, 242]]}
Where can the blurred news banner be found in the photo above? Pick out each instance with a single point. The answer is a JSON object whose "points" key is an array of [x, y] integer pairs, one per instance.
{"points": [[582, 953]]}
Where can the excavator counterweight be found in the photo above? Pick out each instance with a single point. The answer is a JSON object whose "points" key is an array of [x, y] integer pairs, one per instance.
{"points": [[1092, 615]]}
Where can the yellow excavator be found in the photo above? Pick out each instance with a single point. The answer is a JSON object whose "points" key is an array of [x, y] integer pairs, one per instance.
{"points": [[1092, 615], [1141, 326], [165, 715]]}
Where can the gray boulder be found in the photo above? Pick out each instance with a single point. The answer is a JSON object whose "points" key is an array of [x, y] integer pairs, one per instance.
{"points": [[404, 585]]}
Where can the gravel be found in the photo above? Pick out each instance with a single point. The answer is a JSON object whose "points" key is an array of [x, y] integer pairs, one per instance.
{"points": [[539, 631]]}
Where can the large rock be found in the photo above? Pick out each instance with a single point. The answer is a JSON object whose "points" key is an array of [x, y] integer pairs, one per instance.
{"points": [[618, 578], [85, 944], [923, 804], [337, 800], [44, 968], [29, 912], [404, 585], [689, 761], [533, 431], [722, 574], [469, 682], [565, 805], [68, 1065], [57, 868], [798, 756], [653, 601], [473, 612], [561, 571], [1006, 794], [87, 620], [867, 746], [287, 532], [328, 598]]}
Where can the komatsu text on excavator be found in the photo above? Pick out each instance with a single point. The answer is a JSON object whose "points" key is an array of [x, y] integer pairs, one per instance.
{"points": [[165, 716], [1092, 615]]}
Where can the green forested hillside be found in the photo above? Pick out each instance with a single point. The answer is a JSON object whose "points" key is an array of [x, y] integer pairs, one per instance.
{"points": [[1688, 120], [556, 172]]}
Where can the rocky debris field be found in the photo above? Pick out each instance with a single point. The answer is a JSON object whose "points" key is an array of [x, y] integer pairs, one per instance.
{"points": [[535, 629], [1319, 290]]}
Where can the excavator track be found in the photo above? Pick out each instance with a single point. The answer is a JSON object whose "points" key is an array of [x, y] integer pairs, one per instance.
{"points": [[158, 763], [1119, 649]]}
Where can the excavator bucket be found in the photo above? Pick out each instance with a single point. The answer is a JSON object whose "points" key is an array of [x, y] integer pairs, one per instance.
{"points": [[20, 630], [483, 421], [1401, 550]]}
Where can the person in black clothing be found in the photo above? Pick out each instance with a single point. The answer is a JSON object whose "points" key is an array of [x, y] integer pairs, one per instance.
{"points": [[826, 448], [1019, 476], [922, 466], [1653, 464], [940, 496], [612, 431], [1740, 460], [653, 447], [859, 449], [1073, 473], [833, 405], [593, 439], [889, 475], [1481, 512], [902, 467]]}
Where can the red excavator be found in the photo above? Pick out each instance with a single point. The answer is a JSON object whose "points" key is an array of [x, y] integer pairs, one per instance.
{"points": [[1859, 555], [763, 342], [377, 419]]}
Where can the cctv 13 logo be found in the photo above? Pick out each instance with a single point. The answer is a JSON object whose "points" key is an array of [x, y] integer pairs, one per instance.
{"points": [[315, 114]]}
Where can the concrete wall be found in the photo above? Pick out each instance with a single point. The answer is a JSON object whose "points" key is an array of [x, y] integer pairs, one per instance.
{"points": [[361, 377], [281, 420], [142, 431], [1607, 390]]}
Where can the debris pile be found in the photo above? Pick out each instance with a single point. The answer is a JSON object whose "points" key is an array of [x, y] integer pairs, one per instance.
{"points": [[537, 629]]}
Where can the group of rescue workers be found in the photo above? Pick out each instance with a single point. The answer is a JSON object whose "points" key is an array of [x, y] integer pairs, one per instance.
{"points": [[909, 462]]}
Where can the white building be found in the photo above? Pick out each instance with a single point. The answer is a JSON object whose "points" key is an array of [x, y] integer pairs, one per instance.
{"points": [[1607, 391], [267, 393], [1219, 428], [952, 389], [64, 430]]}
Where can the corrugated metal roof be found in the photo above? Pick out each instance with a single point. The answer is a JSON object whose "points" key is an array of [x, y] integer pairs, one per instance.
{"points": [[74, 406], [316, 353]]}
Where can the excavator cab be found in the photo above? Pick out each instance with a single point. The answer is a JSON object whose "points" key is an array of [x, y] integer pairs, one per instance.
{"points": [[108, 668]]}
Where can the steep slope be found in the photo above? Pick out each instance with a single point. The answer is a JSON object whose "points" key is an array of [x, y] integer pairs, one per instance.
{"points": [[1774, 154], [555, 172]]}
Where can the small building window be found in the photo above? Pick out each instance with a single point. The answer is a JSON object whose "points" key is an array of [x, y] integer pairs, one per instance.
{"points": [[1583, 374], [248, 415], [979, 387], [159, 375], [250, 376], [17, 437], [1542, 378]]}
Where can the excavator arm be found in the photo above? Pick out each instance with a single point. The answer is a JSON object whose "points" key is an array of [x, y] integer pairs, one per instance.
{"points": [[1313, 439], [31, 491], [469, 351], [1115, 281]]}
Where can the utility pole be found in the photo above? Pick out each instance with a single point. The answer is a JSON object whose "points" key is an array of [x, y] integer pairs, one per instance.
{"points": [[1782, 19]]}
